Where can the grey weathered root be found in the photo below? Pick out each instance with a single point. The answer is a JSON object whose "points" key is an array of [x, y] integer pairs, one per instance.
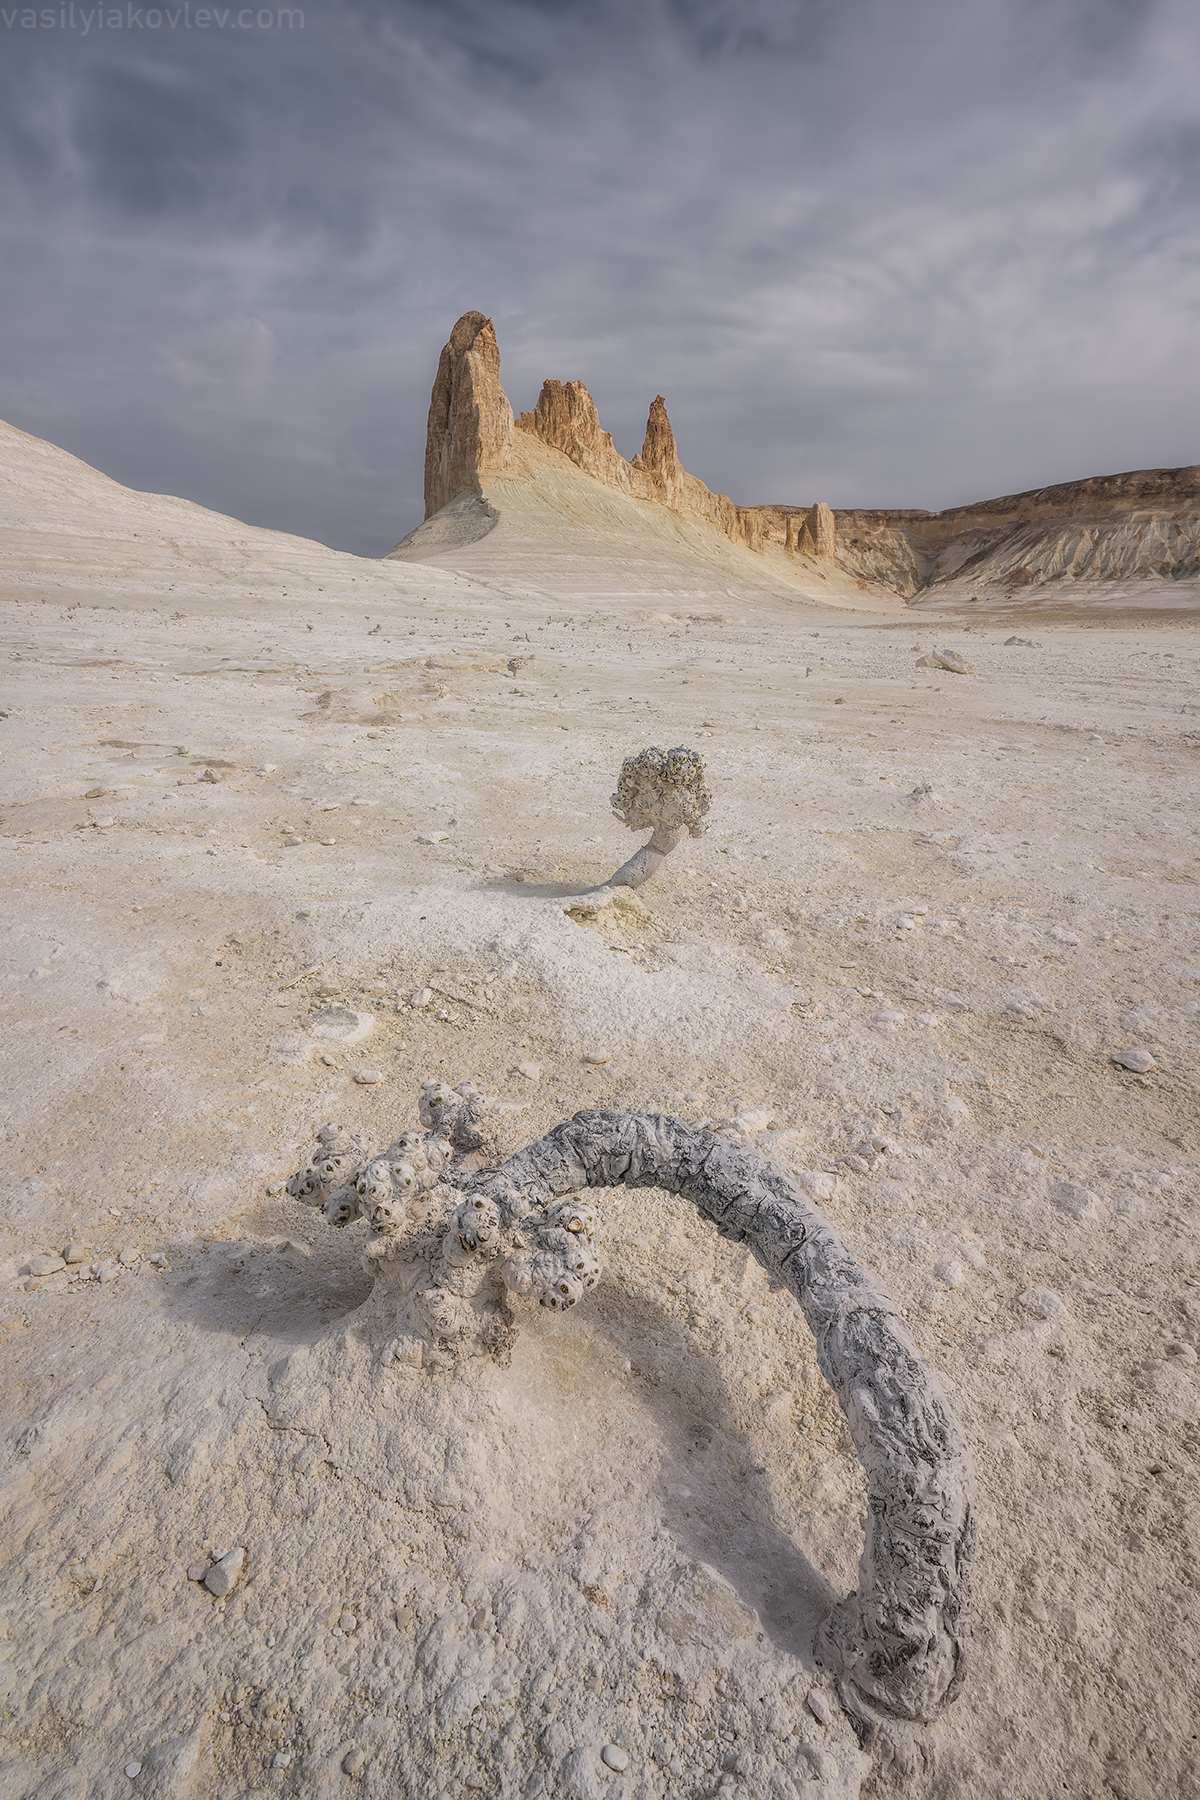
{"points": [[898, 1644]]}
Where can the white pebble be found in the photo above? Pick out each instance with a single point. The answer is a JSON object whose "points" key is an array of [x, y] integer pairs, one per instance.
{"points": [[614, 1757], [819, 1706], [368, 1076], [598, 1056], [46, 1265], [432, 837], [422, 997], [348, 1622], [129, 1255], [354, 1762], [888, 1018], [224, 1573], [282, 1759], [1138, 1059], [132, 1769], [530, 1070], [949, 1271], [75, 1253], [198, 1570], [290, 843]]}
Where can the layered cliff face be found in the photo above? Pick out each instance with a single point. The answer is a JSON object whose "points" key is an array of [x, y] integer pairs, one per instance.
{"points": [[470, 420], [1138, 526]]}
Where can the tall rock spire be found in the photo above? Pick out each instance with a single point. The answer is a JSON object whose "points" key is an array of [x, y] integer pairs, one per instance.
{"points": [[660, 459], [470, 420]]}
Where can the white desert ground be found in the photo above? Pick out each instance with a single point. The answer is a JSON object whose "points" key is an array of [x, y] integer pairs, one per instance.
{"points": [[248, 780]]}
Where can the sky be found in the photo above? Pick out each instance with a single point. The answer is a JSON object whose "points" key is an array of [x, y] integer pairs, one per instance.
{"points": [[872, 253]]}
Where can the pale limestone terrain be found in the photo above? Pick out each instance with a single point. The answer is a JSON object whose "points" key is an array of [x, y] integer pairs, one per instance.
{"points": [[929, 910]]}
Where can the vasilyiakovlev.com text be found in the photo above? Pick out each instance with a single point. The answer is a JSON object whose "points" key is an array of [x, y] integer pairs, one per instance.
{"points": [[152, 18]]}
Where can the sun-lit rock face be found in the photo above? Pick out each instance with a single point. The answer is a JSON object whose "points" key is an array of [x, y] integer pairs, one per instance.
{"points": [[470, 420], [566, 418], [818, 536]]}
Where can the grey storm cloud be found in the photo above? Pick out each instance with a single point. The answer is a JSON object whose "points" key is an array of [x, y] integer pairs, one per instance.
{"points": [[871, 254]]}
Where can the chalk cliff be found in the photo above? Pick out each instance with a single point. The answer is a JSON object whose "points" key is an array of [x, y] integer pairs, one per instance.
{"points": [[1142, 525]]}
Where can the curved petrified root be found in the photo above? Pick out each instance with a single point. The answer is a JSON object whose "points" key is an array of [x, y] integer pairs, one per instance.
{"points": [[663, 792], [453, 1248], [898, 1643]]}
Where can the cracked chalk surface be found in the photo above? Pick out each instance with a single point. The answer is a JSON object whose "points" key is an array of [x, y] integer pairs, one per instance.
{"points": [[900, 963]]}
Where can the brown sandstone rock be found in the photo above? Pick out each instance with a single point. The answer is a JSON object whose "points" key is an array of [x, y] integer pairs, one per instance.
{"points": [[470, 419], [659, 458], [565, 416], [817, 536]]}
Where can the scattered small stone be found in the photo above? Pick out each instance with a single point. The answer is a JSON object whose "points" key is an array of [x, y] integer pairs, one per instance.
{"points": [[354, 1762], [433, 837], [107, 1272], [222, 1577], [132, 1770], [211, 775], [888, 1018], [530, 1070], [75, 1253], [422, 997], [949, 1271], [840, 701], [129, 1255], [1138, 1059], [348, 1622], [368, 1076], [198, 1570], [282, 1759], [596, 1057], [946, 659], [615, 1758], [819, 1706], [290, 843], [46, 1265], [330, 1063]]}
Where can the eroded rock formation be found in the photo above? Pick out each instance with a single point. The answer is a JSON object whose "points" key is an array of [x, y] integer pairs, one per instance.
{"points": [[817, 536], [470, 436], [470, 420]]}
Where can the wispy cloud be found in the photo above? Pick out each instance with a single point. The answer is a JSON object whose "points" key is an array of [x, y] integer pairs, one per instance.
{"points": [[906, 255]]}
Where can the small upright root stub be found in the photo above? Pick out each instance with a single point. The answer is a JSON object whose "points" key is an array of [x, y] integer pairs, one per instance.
{"points": [[457, 1247]]}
